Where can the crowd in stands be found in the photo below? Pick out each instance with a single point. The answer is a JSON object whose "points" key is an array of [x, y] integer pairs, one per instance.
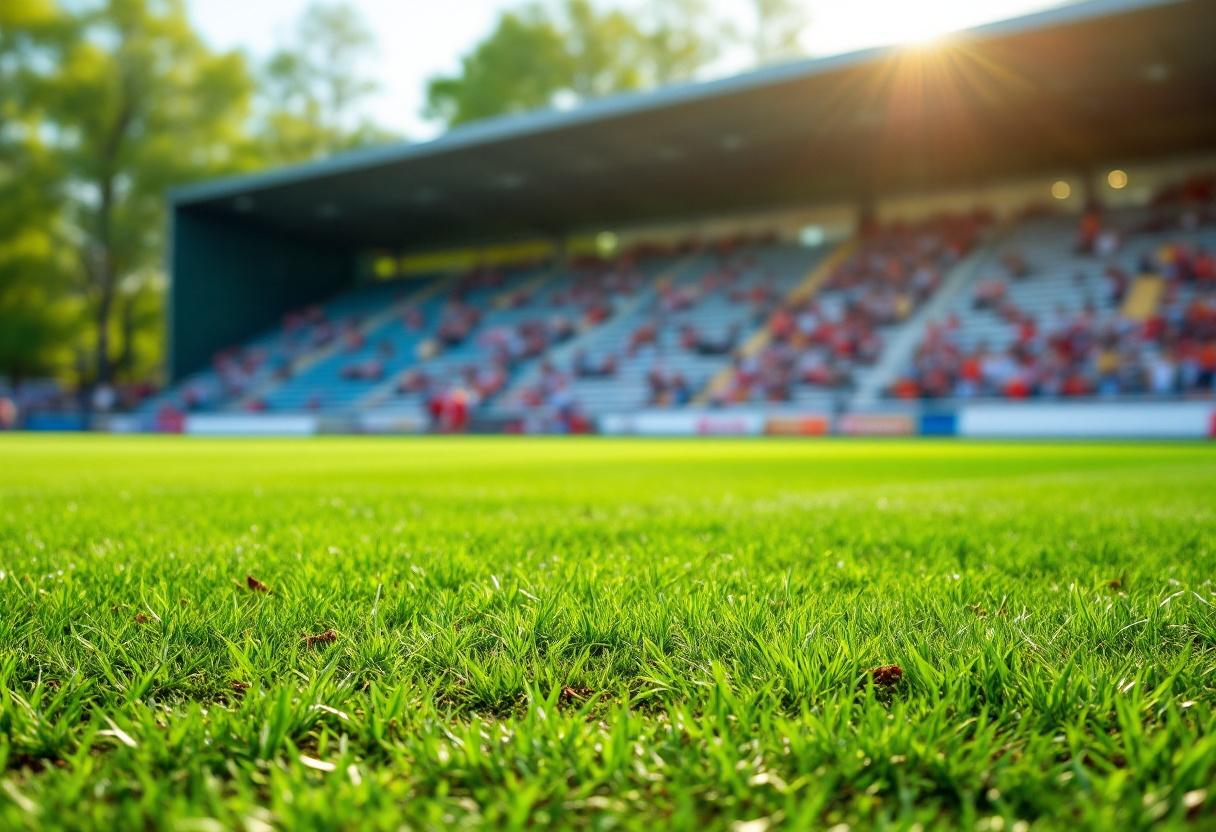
{"points": [[501, 350], [811, 341], [49, 396], [1168, 352], [595, 287], [671, 388], [777, 344], [584, 301], [238, 371], [551, 394]]}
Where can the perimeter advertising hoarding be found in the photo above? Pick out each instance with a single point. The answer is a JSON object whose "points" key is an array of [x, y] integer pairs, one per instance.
{"points": [[876, 424], [1093, 420], [374, 422], [57, 422], [667, 423], [237, 424], [806, 424]]}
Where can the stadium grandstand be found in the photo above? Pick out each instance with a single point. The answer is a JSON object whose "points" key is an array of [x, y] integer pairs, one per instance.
{"points": [[1025, 211]]}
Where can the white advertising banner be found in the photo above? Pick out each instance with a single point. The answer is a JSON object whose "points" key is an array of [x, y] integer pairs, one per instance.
{"points": [[669, 423], [375, 422], [250, 424], [1150, 420]]}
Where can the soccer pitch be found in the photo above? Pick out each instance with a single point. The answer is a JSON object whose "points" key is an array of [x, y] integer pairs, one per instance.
{"points": [[582, 633]]}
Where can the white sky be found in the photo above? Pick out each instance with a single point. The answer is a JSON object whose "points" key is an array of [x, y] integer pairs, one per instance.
{"points": [[417, 39]]}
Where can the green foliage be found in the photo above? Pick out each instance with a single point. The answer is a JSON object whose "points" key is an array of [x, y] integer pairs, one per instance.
{"points": [[35, 321], [779, 24], [139, 104], [520, 66], [311, 87], [539, 55], [606, 634], [104, 107], [107, 105], [680, 37]]}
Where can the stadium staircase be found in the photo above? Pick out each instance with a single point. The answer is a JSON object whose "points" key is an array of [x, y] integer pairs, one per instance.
{"points": [[1143, 298], [900, 341], [759, 338]]}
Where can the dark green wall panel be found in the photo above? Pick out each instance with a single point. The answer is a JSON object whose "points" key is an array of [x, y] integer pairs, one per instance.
{"points": [[232, 281]]}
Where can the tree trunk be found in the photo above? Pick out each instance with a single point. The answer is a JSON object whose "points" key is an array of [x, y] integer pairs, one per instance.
{"points": [[104, 366], [105, 283], [105, 274], [125, 362]]}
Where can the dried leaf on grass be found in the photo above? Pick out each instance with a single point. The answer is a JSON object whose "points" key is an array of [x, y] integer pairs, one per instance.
{"points": [[256, 585], [887, 675], [327, 637], [576, 694]]}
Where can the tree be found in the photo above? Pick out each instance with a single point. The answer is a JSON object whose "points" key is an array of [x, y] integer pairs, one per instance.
{"points": [[36, 320], [604, 51], [520, 66], [311, 88], [779, 25], [680, 37], [105, 105], [539, 55], [138, 104]]}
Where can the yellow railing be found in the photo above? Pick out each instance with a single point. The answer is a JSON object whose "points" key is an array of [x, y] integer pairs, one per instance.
{"points": [[1143, 298]]}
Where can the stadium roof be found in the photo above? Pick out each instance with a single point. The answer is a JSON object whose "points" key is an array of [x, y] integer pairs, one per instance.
{"points": [[1060, 91]]}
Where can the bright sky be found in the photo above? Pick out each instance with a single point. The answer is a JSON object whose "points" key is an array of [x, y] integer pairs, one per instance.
{"points": [[421, 38]]}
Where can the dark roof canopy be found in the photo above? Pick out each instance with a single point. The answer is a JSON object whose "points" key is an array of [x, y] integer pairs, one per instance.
{"points": [[1104, 81]]}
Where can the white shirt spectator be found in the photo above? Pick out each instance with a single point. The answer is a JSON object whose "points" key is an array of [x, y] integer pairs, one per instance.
{"points": [[1163, 375]]}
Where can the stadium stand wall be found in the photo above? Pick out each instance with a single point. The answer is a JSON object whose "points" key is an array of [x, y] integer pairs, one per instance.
{"points": [[234, 280]]}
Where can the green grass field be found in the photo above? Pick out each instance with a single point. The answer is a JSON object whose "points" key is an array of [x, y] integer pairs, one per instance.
{"points": [[606, 634]]}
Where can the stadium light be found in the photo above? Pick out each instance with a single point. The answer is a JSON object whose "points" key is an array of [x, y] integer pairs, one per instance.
{"points": [[1061, 190], [1117, 179], [812, 236], [385, 267], [606, 243]]}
